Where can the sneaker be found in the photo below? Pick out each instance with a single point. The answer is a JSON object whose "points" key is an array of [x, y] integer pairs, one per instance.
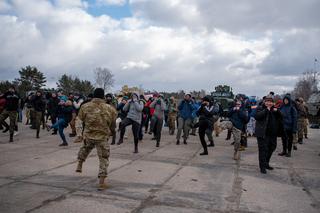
{"points": [[63, 144], [16, 133], [204, 153]]}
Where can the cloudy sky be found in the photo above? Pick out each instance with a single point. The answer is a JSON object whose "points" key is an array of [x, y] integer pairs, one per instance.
{"points": [[254, 46]]}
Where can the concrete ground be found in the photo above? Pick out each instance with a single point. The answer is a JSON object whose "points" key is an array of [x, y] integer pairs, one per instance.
{"points": [[38, 176]]}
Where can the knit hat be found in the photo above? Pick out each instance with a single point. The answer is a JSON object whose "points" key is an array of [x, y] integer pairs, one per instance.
{"points": [[269, 98], [98, 93], [109, 95]]}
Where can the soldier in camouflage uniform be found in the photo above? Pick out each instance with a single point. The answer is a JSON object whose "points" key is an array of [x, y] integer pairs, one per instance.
{"points": [[302, 115], [98, 118], [11, 109], [172, 116]]}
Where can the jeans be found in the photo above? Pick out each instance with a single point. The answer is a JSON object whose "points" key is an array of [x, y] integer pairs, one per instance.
{"points": [[60, 125]]}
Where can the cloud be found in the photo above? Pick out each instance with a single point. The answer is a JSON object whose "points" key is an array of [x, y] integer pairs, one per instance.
{"points": [[165, 45], [112, 2], [230, 15]]}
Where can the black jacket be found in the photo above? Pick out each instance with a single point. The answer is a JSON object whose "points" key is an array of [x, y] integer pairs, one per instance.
{"points": [[268, 122], [12, 101], [53, 105], [39, 104]]}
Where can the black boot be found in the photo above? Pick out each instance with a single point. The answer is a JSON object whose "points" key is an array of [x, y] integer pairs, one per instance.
{"points": [[205, 152], [136, 148], [38, 131], [113, 140], [300, 141], [178, 142], [306, 136], [185, 141], [11, 137], [120, 141], [211, 144], [295, 147], [283, 153], [288, 154], [158, 144]]}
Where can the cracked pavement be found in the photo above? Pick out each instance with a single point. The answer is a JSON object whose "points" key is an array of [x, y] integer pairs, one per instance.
{"points": [[38, 176]]}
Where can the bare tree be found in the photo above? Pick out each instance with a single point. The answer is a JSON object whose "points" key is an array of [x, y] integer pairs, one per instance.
{"points": [[306, 85], [104, 78]]}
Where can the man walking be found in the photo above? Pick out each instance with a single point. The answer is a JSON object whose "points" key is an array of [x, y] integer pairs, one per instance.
{"points": [[98, 119]]}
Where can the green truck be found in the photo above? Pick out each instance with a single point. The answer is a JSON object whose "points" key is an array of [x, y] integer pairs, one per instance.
{"points": [[223, 94]]}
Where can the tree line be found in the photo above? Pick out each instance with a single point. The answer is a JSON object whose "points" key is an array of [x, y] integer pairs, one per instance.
{"points": [[32, 79]]}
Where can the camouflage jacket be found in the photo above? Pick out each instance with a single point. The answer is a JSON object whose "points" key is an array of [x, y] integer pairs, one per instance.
{"points": [[98, 118]]}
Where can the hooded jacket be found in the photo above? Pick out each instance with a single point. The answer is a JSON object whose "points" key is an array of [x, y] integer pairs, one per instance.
{"points": [[289, 115], [134, 109]]}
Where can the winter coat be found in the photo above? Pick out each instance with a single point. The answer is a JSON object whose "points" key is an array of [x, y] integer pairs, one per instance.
{"points": [[185, 109], [53, 105], [39, 104], [134, 109], [12, 101], [159, 107], [239, 118], [65, 112], [289, 116], [268, 122]]}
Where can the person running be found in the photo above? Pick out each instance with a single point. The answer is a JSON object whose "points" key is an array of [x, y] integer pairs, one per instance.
{"points": [[99, 120], [268, 127], [39, 107], [185, 108], [65, 110], [53, 105], [10, 110], [289, 115], [134, 108]]}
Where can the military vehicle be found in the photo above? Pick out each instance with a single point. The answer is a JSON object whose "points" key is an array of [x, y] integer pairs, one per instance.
{"points": [[313, 105], [224, 95]]}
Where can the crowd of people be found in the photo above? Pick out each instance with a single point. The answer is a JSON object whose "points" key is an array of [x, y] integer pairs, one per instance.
{"points": [[97, 117]]}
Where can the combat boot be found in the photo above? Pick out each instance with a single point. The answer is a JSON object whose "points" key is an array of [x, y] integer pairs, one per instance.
{"points": [[236, 155], [79, 166], [78, 139], [102, 186], [11, 137]]}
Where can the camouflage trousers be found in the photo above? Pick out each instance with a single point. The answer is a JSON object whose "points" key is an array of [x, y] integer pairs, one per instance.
{"points": [[12, 117], [73, 123], [235, 132], [37, 119], [172, 117], [103, 151], [301, 122], [305, 126]]}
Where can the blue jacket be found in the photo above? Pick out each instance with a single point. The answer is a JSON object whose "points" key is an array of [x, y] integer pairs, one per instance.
{"points": [[289, 116], [239, 118], [186, 109]]}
